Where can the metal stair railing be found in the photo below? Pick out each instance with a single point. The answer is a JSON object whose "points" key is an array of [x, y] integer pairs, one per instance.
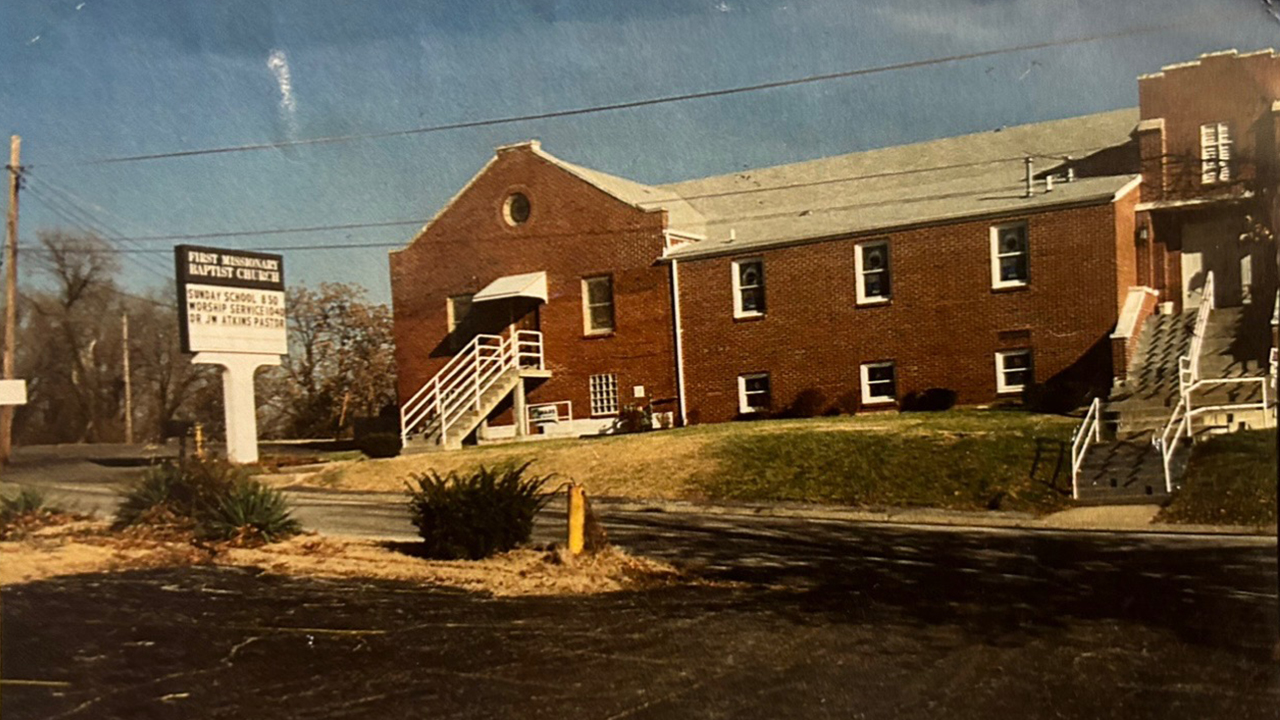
{"points": [[1089, 432], [460, 386], [1179, 425]]}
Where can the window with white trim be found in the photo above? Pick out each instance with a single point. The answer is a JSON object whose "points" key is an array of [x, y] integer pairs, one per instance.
{"points": [[457, 309], [748, 287], [879, 383], [604, 394], [871, 262], [597, 305], [1013, 370], [1009, 255], [1215, 153], [753, 393]]}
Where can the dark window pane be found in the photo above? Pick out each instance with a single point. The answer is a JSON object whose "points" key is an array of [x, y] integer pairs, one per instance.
{"points": [[749, 274], [873, 258], [1017, 362], [602, 317], [1013, 268], [873, 285], [1012, 240], [600, 290], [880, 373], [753, 300], [757, 384]]}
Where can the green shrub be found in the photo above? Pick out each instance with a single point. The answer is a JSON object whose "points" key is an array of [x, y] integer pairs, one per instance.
{"points": [[249, 511], [474, 516], [380, 445], [213, 497], [28, 501], [633, 419], [177, 491]]}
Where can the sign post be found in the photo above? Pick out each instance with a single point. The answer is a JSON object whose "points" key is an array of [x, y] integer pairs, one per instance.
{"points": [[231, 313]]}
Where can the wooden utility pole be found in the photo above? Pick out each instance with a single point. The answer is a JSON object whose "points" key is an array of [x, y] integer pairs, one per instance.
{"points": [[10, 292], [128, 381]]}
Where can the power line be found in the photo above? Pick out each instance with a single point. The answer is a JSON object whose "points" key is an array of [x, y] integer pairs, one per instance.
{"points": [[793, 212], [79, 222], [702, 95], [1055, 155], [78, 204]]}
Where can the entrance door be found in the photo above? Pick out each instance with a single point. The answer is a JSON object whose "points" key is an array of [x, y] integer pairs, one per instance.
{"points": [[500, 317], [1212, 246]]}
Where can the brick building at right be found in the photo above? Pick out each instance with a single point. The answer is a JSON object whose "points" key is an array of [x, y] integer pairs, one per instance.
{"points": [[547, 296]]}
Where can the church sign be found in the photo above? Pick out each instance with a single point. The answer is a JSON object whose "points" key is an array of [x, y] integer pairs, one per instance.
{"points": [[231, 301]]}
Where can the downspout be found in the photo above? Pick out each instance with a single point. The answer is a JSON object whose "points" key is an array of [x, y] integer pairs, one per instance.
{"points": [[679, 336]]}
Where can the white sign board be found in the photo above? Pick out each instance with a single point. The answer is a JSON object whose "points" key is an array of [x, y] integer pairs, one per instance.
{"points": [[13, 392], [231, 301]]}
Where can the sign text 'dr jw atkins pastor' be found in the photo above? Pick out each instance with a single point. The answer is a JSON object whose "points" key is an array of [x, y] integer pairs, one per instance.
{"points": [[232, 267]]}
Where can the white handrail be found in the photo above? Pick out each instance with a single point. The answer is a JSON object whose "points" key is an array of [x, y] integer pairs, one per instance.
{"points": [[1179, 424], [1090, 431], [459, 387], [1202, 324]]}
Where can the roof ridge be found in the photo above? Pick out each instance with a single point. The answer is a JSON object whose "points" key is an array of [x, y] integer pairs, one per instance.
{"points": [[890, 148]]}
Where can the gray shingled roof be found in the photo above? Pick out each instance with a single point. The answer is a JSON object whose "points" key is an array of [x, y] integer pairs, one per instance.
{"points": [[951, 178], [680, 214]]}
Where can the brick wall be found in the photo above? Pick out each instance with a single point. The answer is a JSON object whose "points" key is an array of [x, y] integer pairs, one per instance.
{"points": [[1238, 89], [942, 327], [574, 230]]}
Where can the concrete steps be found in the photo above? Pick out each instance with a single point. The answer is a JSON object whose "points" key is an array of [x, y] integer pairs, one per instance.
{"points": [[1123, 470], [1128, 467]]}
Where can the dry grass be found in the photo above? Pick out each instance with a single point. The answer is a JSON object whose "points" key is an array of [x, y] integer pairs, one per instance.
{"points": [[674, 464], [82, 546]]}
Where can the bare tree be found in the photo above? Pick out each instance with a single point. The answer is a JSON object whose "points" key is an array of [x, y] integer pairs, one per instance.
{"points": [[341, 362], [70, 344]]}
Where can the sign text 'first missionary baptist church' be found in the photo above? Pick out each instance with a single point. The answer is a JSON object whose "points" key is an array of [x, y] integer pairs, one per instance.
{"points": [[231, 301]]}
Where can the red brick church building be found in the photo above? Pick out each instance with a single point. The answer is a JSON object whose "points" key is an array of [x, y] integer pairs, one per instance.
{"points": [[980, 264]]}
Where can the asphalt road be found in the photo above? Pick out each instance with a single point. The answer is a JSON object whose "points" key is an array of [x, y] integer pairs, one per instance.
{"points": [[826, 619]]}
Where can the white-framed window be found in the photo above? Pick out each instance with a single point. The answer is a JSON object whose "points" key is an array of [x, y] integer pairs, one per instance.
{"points": [[457, 309], [597, 305], [604, 394], [879, 383], [1009, 255], [753, 392], [748, 287], [1215, 153], [871, 262], [1013, 370]]}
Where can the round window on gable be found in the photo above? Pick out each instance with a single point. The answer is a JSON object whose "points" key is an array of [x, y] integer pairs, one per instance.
{"points": [[516, 209]]}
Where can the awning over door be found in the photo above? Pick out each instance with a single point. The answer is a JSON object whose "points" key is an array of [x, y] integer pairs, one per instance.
{"points": [[529, 285]]}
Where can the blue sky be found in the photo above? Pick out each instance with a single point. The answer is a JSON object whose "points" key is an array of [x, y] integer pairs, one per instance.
{"points": [[88, 79]]}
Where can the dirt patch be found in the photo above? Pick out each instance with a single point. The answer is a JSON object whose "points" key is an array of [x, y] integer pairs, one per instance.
{"points": [[90, 546]]}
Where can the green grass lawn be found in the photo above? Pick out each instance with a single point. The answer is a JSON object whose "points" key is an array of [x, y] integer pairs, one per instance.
{"points": [[1230, 479], [959, 459]]}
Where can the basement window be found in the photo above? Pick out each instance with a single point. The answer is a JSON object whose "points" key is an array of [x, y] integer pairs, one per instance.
{"points": [[748, 288], [597, 305], [879, 383], [604, 394], [1009, 255], [1013, 370], [753, 393], [1215, 153], [871, 262]]}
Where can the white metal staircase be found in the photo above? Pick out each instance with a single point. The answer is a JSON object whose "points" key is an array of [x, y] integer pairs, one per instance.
{"points": [[463, 393]]}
